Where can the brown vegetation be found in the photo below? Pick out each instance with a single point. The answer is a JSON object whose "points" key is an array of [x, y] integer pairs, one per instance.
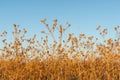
{"points": [[76, 58]]}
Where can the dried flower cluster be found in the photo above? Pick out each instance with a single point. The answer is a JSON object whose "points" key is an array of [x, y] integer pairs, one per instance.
{"points": [[76, 58]]}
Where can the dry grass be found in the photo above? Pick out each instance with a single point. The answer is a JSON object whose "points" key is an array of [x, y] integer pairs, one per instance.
{"points": [[76, 58]]}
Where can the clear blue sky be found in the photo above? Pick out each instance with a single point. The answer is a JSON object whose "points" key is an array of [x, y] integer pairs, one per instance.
{"points": [[84, 15]]}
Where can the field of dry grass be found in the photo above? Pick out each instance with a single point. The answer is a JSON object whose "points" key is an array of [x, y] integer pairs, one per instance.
{"points": [[76, 58]]}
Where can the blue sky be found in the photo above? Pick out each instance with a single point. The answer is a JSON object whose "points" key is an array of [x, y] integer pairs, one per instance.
{"points": [[84, 15]]}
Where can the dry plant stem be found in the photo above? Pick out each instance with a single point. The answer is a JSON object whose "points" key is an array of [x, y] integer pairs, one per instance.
{"points": [[61, 32], [51, 33]]}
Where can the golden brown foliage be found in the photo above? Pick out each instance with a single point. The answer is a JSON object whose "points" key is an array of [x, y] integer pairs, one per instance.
{"points": [[76, 58]]}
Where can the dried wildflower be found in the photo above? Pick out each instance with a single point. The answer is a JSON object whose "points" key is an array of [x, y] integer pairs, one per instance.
{"points": [[3, 33], [54, 25], [90, 38], [69, 38], [96, 38], [46, 25], [44, 20], [14, 25], [68, 24], [61, 29], [43, 32], [55, 20], [105, 30], [115, 28], [24, 31], [82, 36], [3, 40], [109, 41], [62, 50], [71, 48], [74, 40], [98, 27]]}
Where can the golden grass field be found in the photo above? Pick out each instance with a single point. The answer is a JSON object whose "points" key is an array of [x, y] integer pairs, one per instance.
{"points": [[76, 58]]}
